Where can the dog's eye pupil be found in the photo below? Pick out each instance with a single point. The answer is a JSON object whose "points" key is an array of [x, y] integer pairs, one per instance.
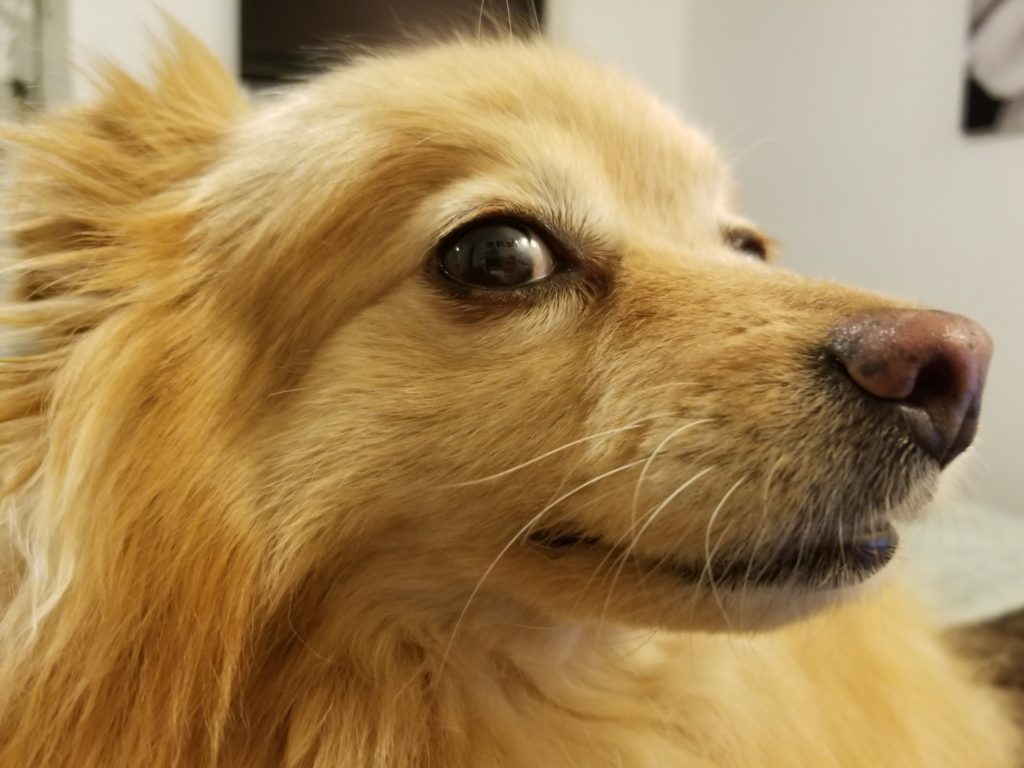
{"points": [[498, 255]]}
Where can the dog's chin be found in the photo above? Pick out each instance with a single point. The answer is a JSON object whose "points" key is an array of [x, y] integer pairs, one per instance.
{"points": [[813, 559], [735, 588], [844, 559]]}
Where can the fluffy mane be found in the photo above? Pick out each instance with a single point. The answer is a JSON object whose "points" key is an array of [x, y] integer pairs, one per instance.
{"points": [[96, 217]]}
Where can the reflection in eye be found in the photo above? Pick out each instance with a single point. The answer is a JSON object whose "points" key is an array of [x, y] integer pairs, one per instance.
{"points": [[498, 255]]}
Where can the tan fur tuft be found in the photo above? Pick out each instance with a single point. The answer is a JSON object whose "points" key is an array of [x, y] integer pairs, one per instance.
{"points": [[93, 207]]}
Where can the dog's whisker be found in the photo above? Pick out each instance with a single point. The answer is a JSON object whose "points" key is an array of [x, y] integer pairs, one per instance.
{"points": [[654, 454], [534, 17], [656, 387], [619, 561], [736, 158], [667, 558], [287, 391], [658, 509], [612, 550], [709, 553], [652, 516], [565, 446], [781, 538], [844, 562], [480, 20], [429, 137], [617, 544], [511, 542], [762, 529]]}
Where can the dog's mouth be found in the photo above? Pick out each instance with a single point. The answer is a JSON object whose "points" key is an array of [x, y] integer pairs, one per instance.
{"points": [[848, 558]]}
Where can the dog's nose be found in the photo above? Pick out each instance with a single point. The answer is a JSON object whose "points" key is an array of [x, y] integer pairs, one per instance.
{"points": [[931, 365]]}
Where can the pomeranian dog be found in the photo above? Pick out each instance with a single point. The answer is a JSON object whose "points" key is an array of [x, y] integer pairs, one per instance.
{"points": [[443, 413]]}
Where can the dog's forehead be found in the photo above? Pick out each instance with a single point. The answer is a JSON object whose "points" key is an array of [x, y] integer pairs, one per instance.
{"points": [[529, 104], [400, 137]]}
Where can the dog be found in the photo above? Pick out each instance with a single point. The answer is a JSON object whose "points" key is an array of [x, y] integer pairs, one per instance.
{"points": [[443, 412]]}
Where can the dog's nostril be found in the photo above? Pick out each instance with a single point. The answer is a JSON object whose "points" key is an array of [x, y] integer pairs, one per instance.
{"points": [[934, 380], [931, 364]]}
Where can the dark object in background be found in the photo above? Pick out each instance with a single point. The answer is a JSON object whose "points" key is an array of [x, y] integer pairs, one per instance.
{"points": [[997, 646], [980, 109], [287, 41], [994, 92]]}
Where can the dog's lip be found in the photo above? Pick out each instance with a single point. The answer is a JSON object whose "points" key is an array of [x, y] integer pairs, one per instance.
{"points": [[846, 560]]}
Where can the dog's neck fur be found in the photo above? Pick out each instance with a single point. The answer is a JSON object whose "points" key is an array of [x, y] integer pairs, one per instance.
{"points": [[516, 689], [303, 683], [308, 685], [335, 671], [405, 695]]}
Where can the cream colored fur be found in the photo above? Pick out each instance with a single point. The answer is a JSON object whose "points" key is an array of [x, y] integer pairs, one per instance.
{"points": [[268, 483]]}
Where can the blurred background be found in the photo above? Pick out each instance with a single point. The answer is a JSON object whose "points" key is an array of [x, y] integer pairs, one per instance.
{"points": [[875, 139]]}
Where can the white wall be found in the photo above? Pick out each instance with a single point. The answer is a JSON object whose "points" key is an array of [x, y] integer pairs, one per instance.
{"points": [[841, 117], [126, 30]]}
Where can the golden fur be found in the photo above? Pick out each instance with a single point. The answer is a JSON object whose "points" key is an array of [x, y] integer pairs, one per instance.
{"points": [[268, 484]]}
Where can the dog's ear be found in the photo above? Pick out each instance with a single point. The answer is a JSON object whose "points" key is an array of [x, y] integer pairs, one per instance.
{"points": [[79, 179]]}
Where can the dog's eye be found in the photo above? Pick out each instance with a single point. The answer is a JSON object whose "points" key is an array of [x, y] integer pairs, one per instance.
{"points": [[498, 255], [747, 242]]}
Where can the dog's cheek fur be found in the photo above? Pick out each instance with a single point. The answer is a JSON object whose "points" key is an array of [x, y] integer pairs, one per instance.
{"points": [[417, 376], [407, 389]]}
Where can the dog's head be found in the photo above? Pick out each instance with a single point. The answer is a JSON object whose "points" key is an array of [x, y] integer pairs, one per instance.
{"points": [[479, 323]]}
